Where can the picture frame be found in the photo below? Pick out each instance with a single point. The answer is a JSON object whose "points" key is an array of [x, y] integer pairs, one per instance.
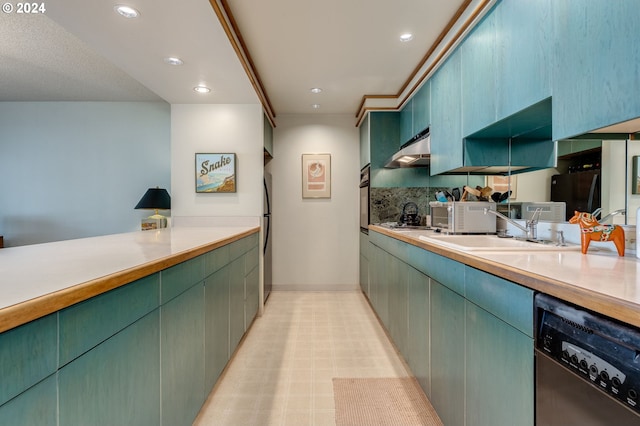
{"points": [[215, 173], [316, 175], [503, 184]]}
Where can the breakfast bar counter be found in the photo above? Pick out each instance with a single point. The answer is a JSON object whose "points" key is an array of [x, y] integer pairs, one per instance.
{"points": [[39, 279], [599, 280], [130, 328]]}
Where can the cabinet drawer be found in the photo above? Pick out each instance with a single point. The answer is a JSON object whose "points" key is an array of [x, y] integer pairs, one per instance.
{"points": [[85, 325], [508, 301], [181, 277], [251, 260], [215, 260], [27, 355], [446, 271]]}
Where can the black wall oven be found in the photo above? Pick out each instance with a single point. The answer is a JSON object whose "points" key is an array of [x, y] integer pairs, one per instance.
{"points": [[364, 199], [587, 367]]}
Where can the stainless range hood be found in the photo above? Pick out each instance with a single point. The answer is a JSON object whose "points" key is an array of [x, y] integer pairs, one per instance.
{"points": [[415, 153]]}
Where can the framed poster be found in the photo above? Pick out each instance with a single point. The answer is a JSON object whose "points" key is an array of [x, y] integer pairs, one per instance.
{"points": [[215, 173], [316, 175]]}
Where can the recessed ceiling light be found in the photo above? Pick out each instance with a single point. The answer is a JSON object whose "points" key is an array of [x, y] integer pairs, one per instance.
{"points": [[126, 11], [316, 90], [315, 106], [202, 89], [173, 61], [406, 37]]}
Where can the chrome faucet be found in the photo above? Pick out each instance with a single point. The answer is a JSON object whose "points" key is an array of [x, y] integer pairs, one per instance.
{"points": [[613, 213], [531, 228]]}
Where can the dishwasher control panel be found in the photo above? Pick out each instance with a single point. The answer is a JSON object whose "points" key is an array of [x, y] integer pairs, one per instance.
{"points": [[599, 350]]}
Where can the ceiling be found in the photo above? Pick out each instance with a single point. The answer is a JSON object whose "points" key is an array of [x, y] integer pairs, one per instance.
{"points": [[83, 50]]}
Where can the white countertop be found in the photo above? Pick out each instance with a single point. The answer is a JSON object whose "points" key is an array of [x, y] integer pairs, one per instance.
{"points": [[35, 271], [599, 280]]}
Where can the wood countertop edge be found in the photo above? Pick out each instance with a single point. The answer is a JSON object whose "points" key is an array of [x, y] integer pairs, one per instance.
{"points": [[22, 313], [619, 309]]}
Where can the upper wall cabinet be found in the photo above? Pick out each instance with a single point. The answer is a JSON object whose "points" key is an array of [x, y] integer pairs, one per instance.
{"points": [[416, 114], [596, 64], [478, 71], [406, 122], [506, 63], [365, 149], [446, 114], [523, 43]]}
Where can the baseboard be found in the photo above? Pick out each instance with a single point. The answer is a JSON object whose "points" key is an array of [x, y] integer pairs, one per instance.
{"points": [[315, 287]]}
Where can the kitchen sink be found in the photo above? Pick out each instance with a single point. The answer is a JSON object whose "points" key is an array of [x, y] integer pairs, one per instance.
{"points": [[492, 243]]}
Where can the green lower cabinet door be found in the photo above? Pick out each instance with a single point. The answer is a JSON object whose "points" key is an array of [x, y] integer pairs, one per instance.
{"points": [[447, 354], [418, 356], [236, 288], [364, 275], [182, 355], [398, 322], [252, 282], [216, 327], [37, 406], [117, 382], [499, 373]]}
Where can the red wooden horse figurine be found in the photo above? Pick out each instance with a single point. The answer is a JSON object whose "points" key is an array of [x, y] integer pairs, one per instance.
{"points": [[591, 230]]}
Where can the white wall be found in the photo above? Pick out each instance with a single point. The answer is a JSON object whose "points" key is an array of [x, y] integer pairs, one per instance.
{"points": [[77, 169], [315, 241], [217, 129]]}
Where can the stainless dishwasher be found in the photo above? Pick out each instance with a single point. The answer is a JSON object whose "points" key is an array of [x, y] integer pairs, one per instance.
{"points": [[587, 367]]}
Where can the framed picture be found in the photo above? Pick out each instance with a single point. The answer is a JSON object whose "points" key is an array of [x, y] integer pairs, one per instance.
{"points": [[503, 184], [316, 175], [215, 173]]}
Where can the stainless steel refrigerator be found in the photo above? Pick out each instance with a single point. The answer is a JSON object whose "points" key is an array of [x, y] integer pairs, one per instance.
{"points": [[268, 231], [580, 190]]}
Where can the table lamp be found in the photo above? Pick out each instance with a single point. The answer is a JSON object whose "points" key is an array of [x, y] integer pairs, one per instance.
{"points": [[155, 199]]}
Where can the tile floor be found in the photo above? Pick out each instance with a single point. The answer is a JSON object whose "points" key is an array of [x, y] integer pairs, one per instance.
{"points": [[282, 373]]}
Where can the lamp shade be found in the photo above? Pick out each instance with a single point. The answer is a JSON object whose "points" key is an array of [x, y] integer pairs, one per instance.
{"points": [[155, 198]]}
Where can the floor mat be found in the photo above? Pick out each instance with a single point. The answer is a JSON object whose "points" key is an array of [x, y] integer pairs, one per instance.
{"points": [[382, 401]]}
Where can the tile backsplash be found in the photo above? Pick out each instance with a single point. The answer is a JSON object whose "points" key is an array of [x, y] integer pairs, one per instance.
{"points": [[387, 203]]}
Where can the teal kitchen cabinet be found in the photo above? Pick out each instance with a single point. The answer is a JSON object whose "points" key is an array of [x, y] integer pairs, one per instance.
{"points": [[87, 324], [216, 327], [398, 284], [416, 114], [469, 334], [446, 116], [236, 304], [479, 63], [365, 150], [145, 353], [252, 287], [596, 64], [364, 263], [499, 350], [421, 108], [182, 356], [406, 122], [380, 283], [28, 356], [500, 371], [38, 405], [418, 354], [447, 354], [117, 382], [384, 141], [523, 45]]}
